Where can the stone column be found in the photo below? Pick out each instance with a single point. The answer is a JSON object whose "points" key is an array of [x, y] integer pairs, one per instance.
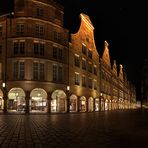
{"points": [[49, 103], [87, 105], [5, 98], [78, 104], [68, 101], [27, 102]]}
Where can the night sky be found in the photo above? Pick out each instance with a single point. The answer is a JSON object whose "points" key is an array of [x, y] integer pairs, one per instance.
{"points": [[121, 23]]}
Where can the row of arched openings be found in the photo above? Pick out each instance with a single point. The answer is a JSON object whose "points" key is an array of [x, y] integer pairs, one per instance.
{"points": [[38, 102]]}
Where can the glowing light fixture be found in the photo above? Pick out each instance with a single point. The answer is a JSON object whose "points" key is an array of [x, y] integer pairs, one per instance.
{"points": [[3, 85], [68, 87]]}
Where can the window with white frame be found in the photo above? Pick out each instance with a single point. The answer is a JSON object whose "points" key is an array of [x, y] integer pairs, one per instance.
{"points": [[19, 47], [83, 63], [39, 30], [77, 78], [20, 29], [39, 48], [95, 84], [38, 71], [83, 80], [19, 70], [90, 82], [57, 36], [77, 60], [57, 73], [57, 53]]}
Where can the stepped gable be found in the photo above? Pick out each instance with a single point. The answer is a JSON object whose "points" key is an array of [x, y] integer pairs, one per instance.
{"points": [[106, 56], [121, 72], [114, 67], [85, 34]]}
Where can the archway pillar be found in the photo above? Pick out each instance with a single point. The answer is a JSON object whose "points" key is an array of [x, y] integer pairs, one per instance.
{"points": [[78, 104], [87, 104], [27, 101], [49, 103], [5, 98]]}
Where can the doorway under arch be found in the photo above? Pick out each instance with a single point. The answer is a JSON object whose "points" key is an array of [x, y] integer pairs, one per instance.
{"points": [[16, 100], [73, 103], [82, 104], [38, 101], [58, 102]]}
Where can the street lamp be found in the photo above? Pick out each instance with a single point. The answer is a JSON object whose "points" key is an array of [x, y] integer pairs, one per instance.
{"points": [[68, 101]]}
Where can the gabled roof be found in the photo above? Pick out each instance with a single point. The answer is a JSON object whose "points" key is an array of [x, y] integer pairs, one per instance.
{"points": [[106, 56], [87, 20], [114, 67], [121, 72]]}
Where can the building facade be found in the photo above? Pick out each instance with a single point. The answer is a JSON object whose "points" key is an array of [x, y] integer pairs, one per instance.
{"points": [[41, 71], [33, 64]]}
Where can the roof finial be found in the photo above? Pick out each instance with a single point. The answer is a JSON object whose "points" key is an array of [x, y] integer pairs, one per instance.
{"points": [[106, 44]]}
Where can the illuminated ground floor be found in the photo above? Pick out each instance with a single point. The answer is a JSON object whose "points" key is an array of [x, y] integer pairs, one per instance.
{"points": [[38, 100]]}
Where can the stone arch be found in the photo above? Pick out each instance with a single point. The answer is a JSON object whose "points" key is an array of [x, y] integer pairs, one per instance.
{"points": [[97, 104], [16, 99], [73, 103], [59, 101], [90, 104], [82, 104], [38, 101]]}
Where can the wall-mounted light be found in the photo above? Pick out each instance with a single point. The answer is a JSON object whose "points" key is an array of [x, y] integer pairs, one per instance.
{"points": [[68, 88], [3, 85]]}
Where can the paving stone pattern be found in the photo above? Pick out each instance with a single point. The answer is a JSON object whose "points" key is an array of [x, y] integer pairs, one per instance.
{"points": [[110, 129]]}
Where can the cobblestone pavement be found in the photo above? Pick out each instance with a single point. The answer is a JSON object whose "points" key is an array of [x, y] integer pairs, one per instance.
{"points": [[110, 129]]}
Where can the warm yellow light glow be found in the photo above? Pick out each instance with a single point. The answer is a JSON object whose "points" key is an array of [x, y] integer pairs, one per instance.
{"points": [[68, 87], [88, 24], [3, 85]]}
